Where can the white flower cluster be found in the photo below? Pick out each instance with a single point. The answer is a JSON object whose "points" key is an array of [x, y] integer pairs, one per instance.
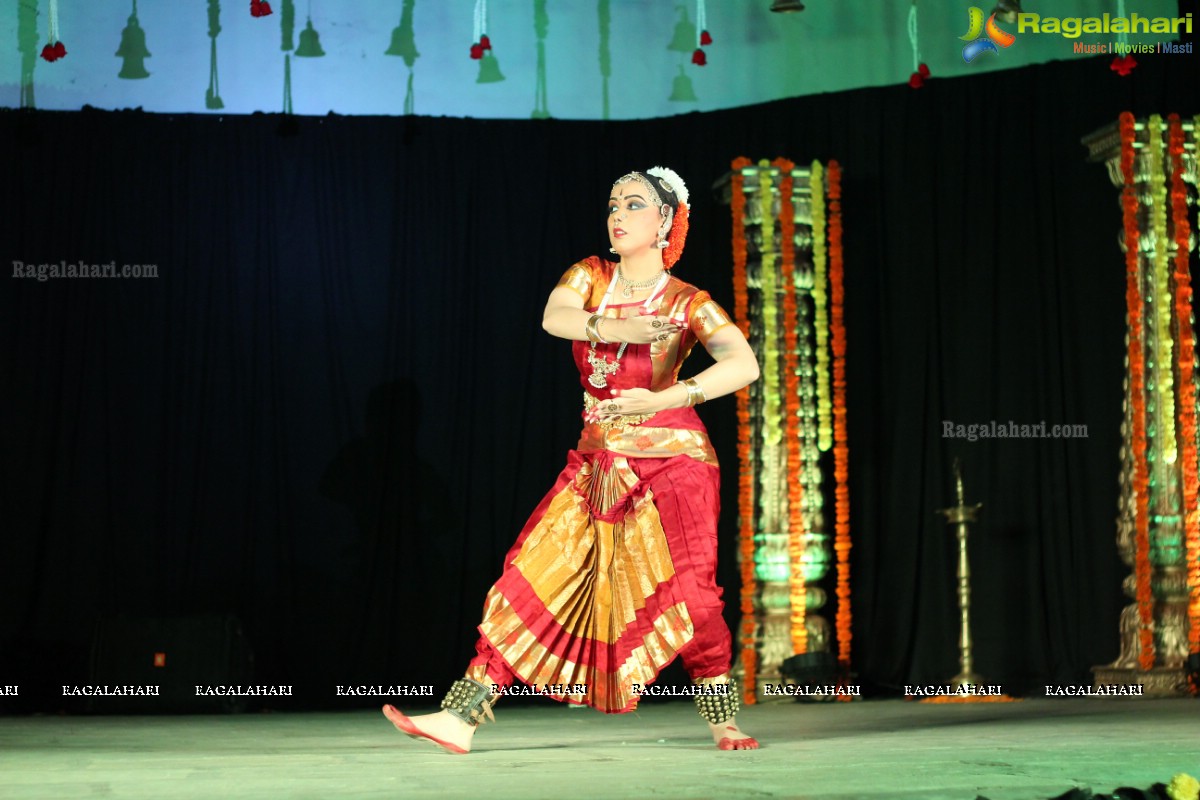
{"points": [[672, 177]]}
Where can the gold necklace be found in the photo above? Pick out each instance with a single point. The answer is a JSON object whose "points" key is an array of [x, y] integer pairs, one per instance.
{"points": [[632, 286]]}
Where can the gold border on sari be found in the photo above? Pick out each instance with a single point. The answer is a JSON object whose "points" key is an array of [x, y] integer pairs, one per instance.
{"points": [[593, 578]]}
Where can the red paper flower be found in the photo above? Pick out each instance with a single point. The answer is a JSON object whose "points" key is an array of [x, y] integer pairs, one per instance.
{"points": [[705, 38], [923, 69], [916, 80], [259, 8], [53, 52], [477, 51], [485, 42], [698, 58], [1123, 65]]}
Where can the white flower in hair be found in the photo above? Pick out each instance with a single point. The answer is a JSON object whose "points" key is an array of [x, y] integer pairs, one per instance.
{"points": [[672, 177]]}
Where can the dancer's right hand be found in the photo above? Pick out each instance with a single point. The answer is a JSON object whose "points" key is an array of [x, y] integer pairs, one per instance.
{"points": [[645, 329]]}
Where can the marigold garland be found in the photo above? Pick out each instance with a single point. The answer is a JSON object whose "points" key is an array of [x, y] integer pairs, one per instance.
{"points": [[676, 237], [810, 475], [771, 500], [821, 323], [1186, 383], [1141, 483], [741, 313], [797, 530], [841, 448], [1163, 388]]}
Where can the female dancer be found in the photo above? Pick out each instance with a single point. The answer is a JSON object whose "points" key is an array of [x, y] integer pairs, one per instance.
{"points": [[614, 574]]}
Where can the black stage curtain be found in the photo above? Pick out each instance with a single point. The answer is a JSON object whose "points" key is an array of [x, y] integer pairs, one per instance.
{"points": [[334, 408]]}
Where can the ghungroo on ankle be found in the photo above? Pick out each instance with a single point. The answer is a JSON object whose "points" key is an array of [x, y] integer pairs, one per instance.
{"points": [[718, 702], [469, 700]]}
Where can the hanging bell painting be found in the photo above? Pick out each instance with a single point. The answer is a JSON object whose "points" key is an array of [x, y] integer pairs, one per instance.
{"points": [[404, 43], [684, 40], [682, 91], [489, 69], [481, 48], [133, 49], [310, 42]]}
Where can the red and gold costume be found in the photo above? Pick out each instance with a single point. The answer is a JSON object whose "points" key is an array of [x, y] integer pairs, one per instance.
{"points": [[614, 574]]}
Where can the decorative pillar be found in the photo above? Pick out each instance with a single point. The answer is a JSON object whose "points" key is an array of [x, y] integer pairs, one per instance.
{"points": [[787, 266], [1153, 162]]}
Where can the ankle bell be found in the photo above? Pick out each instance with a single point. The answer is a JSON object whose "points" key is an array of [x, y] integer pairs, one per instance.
{"points": [[717, 702], [469, 700]]}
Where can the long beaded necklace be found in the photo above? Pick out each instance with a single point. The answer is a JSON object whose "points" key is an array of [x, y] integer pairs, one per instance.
{"points": [[601, 366]]}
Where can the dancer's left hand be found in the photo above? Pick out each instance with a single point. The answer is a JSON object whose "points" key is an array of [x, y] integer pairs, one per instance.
{"points": [[627, 401], [637, 401]]}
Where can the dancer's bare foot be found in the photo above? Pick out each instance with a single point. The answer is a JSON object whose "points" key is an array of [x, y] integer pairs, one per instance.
{"points": [[442, 728], [728, 737]]}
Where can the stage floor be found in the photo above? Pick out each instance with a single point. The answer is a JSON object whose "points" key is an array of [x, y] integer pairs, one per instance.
{"points": [[868, 749]]}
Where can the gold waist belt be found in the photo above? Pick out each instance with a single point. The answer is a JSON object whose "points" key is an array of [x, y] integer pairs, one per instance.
{"points": [[626, 437]]}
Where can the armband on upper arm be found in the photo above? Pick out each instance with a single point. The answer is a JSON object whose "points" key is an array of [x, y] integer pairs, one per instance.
{"points": [[708, 318]]}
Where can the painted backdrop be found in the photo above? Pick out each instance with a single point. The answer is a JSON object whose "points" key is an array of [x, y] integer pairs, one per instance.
{"points": [[583, 59]]}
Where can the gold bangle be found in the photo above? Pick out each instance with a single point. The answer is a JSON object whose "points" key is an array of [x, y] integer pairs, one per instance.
{"points": [[597, 329], [592, 329], [691, 387]]}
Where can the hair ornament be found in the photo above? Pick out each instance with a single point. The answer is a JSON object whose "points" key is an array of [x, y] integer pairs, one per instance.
{"points": [[671, 177]]}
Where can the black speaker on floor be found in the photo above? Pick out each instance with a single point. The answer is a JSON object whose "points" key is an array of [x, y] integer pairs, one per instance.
{"points": [[170, 665]]}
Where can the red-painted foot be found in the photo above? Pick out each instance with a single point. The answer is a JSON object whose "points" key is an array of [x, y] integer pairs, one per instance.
{"points": [[409, 729], [748, 743]]}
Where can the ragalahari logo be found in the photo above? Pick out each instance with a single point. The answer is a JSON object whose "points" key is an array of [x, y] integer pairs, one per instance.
{"points": [[977, 44]]}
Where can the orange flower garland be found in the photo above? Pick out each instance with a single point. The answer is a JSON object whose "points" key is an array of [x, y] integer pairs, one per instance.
{"points": [[1141, 482], [741, 313], [841, 449], [1187, 386], [676, 237], [795, 489]]}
